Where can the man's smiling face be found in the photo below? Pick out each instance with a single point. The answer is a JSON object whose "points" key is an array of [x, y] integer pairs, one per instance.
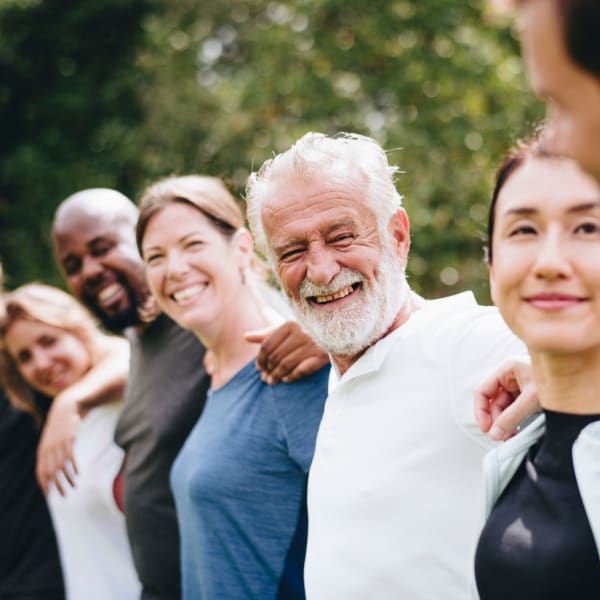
{"points": [[343, 281], [96, 250]]}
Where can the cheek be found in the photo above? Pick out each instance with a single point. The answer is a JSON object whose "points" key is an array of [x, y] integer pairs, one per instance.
{"points": [[74, 284], [505, 278], [290, 278], [153, 278], [28, 373], [77, 355]]}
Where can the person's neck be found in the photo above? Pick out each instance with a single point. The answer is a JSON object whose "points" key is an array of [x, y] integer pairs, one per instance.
{"points": [[414, 302], [568, 383], [227, 349]]}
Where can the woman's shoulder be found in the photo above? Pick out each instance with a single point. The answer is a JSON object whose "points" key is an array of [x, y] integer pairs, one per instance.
{"points": [[313, 386]]}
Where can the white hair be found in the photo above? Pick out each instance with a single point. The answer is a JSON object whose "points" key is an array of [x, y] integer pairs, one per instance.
{"points": [[344, 156]]}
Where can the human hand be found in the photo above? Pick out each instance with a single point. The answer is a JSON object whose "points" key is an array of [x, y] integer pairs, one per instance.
{"points": [[55, 460], [287, 353], [506, 398]]}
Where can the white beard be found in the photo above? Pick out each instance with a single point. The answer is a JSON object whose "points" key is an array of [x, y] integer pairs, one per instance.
{"points": [[349, 330]]}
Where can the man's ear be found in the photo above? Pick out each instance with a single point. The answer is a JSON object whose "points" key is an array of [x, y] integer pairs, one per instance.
{"points": [[399, 232]]}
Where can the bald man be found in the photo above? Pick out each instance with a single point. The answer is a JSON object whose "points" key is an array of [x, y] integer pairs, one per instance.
{"points": [[94, 243]]}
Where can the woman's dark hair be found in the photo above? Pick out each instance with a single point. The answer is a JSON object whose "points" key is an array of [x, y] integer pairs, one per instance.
{"points": [[581, 24]]}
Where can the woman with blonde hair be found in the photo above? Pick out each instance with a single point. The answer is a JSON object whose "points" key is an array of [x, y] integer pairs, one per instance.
{"points": [[48, 342], [29, 562], [240, 477]]}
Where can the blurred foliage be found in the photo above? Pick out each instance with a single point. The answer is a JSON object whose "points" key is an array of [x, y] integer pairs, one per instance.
{"points": [[119, 92]]}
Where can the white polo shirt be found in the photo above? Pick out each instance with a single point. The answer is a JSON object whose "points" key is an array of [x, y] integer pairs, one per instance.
{"points": [[395, 488]]}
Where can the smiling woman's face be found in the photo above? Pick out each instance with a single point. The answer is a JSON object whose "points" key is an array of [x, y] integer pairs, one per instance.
{"points": [[193, 270], [49, 358], [545, 273]]}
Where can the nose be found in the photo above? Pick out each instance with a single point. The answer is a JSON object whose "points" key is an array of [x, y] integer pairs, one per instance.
{"points": [[42, 362], [321, 266], [177, 265], [91, 269], [552, 261]]}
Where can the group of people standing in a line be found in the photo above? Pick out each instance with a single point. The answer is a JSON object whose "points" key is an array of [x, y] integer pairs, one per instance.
{"points": [[176, 465]]}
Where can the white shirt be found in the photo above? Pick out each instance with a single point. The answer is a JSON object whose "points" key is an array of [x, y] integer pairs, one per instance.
{"points": [[92, 541], [395, 486]]}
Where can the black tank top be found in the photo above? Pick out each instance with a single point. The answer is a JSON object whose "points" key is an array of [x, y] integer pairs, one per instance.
{"points": [[537, 542]]}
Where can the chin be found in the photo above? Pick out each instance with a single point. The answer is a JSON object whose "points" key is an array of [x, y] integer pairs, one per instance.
{"points": [[194, 322]]}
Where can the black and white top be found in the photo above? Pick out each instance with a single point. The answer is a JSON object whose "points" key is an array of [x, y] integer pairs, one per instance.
{"points": [[537, 542]]}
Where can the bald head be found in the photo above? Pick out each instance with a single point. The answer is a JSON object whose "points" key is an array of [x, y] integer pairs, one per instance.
{"points": [[95, 203], [94, 244]]}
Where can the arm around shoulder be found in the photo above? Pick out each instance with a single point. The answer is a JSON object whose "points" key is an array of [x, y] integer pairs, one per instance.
{"points": [[104, 383]]}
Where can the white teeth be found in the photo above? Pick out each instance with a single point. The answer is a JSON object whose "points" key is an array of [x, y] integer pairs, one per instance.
{"points": [[187, 293], [336, 296], [108, 291]]}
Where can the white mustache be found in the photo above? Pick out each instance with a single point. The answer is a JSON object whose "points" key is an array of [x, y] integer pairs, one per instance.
{"points": [[343, 279]]}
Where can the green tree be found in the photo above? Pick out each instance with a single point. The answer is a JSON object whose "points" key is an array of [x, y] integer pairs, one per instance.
{"points": [[67, 102], [218, 87]]}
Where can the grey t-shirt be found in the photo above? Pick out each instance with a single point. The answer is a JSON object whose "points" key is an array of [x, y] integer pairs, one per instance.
{"points": [[165, 396]]}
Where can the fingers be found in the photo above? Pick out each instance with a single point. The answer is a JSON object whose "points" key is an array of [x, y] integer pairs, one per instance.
{"points": [[295, 367], [507, 421], [56, 465], [280, 364], [258, 336], [306, 367], [496, 395], [289, 353], [276, 345], [483, 397]]}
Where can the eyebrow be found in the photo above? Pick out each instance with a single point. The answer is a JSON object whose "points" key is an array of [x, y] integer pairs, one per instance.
{"points": [[183, 238], [98, 238], [302, 238], [578, 208]]}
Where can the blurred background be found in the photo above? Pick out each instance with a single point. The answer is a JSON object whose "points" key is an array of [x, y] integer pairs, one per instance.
{"points": [[117, 93]]}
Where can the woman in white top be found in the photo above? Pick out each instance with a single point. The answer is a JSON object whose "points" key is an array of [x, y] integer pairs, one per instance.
{"points": [[48, 342]]}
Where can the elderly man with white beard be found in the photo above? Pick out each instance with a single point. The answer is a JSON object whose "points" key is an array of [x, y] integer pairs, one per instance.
{"points": [[395, 485]]}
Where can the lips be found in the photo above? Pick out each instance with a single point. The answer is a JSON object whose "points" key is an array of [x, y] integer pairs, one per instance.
{"points": [[54, 378], [554, 301]]}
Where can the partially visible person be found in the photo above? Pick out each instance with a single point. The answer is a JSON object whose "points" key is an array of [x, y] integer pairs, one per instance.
{"points": [[395, 483], [29, 561], [239, 479], [542, 536], [48, 342], [94, 244], [562, 54]]}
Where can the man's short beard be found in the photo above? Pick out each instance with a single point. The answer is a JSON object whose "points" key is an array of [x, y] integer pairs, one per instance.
{"points": [[347, 331], [120, 321]]}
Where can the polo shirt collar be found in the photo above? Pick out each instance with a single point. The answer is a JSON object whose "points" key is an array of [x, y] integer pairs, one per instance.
{"points": [[374, 357]]}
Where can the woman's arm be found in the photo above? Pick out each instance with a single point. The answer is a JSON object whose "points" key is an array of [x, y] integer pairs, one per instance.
{"points": [[104, 383]]}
